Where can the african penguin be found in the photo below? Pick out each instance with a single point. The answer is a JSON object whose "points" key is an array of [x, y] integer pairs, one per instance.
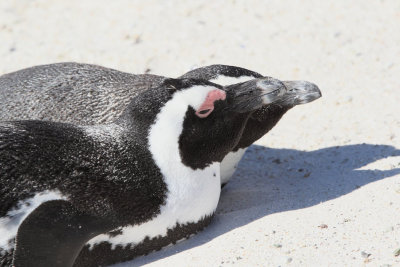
{"points": [[88, 94], [151, 176]]}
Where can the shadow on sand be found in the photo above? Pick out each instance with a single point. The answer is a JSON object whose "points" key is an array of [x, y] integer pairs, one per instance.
{"points": [[275, 180]]}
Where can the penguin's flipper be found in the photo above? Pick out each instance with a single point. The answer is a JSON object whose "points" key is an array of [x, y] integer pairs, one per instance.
{"points": [[54, 233]]}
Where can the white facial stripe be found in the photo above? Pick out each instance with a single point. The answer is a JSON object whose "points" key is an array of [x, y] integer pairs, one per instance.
{"points": [[228, 80], [195, 96], [229, 164], [192, 194], [9, 225]]}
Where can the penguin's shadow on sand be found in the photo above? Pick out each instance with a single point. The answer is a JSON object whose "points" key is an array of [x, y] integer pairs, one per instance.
{"points": [[275, 180]]}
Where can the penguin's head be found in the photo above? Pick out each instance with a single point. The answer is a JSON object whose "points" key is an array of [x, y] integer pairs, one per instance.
{"points": [[299, 92], [206, 119], [265, 118], [194, 121]]}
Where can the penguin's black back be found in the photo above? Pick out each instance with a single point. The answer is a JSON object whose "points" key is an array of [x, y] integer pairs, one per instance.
{"points": [[96, 172], [70, 92]]}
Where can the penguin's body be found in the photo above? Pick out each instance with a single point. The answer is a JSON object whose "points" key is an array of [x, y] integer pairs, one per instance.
{"points": [[135, 180], [87, 94]]}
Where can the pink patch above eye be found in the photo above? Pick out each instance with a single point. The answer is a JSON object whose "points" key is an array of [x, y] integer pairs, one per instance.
{"points": [[208, 105]]}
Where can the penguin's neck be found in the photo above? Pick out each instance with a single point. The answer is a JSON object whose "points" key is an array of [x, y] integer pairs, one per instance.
{"points": [[195, 192], [192, 193], [163, 143]]}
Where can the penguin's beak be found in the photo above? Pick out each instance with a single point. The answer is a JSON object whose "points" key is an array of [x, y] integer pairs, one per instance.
{"points": [[300, 92], [253, 94]]}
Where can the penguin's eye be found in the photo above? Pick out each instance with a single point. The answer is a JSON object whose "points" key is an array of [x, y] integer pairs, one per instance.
{"points": [[202, 113], [208, 105]]}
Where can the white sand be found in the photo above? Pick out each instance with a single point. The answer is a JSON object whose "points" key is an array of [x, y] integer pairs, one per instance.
{"points": [[351, 49]]}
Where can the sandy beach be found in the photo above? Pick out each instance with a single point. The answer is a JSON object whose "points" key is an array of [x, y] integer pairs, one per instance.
{"points": [[323, 187]]}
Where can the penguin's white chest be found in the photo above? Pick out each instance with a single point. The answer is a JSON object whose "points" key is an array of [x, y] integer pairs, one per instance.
{"points": [[195, 196], [230, 163], [189, 200]]}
